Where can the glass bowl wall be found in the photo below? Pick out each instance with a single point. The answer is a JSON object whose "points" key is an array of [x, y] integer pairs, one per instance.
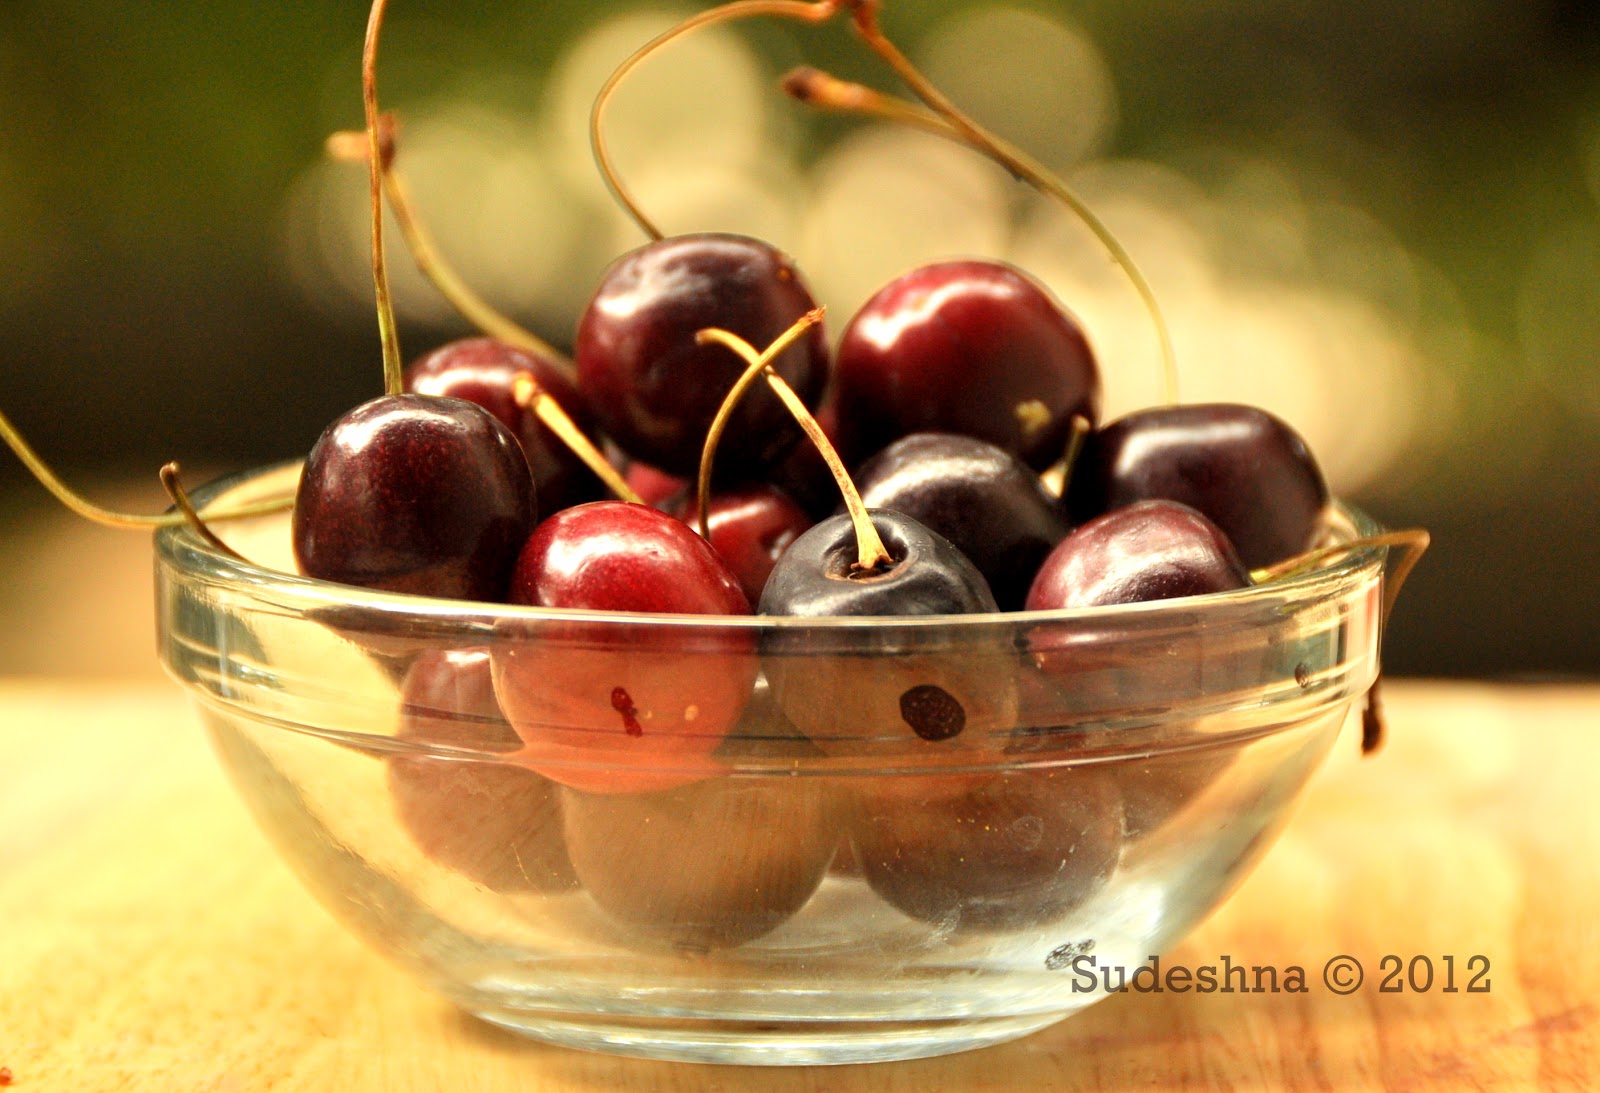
{"points": [[761, 840]]}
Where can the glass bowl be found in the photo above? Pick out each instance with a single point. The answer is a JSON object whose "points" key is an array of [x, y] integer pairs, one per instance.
{"points": [[760, 840]]}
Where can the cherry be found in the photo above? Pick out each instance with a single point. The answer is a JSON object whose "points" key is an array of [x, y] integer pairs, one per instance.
{"points": [[889, 689], [990, 851], [1247, 470], [618, 704], [413, 493], [493, 821], [1150, 550], [718, 862], [484, 370], [971, 347], [655, 389], [750, 527], [986, 502]]}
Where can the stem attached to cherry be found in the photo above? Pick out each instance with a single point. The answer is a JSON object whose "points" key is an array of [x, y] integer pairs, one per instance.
{"points": [[173, 484], [108, 517], [353, 146], [1058, 475], [393, 375], [871, 554], [757, 365], [816, 13], [527, 393], [819, 89]]}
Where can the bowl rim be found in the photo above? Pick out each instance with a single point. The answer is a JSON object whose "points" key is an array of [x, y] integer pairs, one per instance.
{"points": [[179, 547]]}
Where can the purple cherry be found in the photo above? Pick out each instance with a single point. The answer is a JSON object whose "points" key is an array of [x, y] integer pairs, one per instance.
{"points": [[655, 389], [413, 493], [1247, 470]]}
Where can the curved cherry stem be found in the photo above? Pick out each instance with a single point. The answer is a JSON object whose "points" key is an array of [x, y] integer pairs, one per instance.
{"points": [[109, 517], [816, 13], [1058, 475], [527, 393], [425, 251], [857, 99], [393, 376], [173, 484], [756, 366], [1413, 542], [871, 554]]}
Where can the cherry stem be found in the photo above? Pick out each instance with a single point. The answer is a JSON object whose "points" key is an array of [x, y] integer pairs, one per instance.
{"points": [[180, 497], [759, 364], [527, 393], [1412, 542], [425, 252], [817, 88], [816, 13], [108, 517], [1058, 475], [393, 377], [870, 551]]}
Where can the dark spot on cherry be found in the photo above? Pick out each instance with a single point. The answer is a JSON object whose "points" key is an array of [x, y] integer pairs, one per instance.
{"points": [[630, 713], [933, 712]]}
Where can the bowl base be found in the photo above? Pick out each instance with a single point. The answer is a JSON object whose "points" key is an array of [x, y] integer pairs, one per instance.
{"points": [[767, 1043]]}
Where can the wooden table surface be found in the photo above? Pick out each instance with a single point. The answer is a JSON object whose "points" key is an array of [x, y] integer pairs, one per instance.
{"points": [[150, 940]]}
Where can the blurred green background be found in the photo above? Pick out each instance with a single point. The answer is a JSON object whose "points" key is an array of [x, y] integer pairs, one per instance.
{"points": [[1381, 221]]}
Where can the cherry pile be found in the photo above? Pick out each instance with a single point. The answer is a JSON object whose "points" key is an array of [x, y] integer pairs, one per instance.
{"points": [[958, 422]]}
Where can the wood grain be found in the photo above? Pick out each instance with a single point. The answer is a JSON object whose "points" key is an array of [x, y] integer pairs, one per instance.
{"points": [[151, 940]]}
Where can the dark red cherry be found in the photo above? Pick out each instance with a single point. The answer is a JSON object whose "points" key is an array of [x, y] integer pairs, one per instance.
{"points": [[889, 690], [656, 390], [971, 347], [491, 820], [1150, 550], [988, 503], [412, 493], [751, 526], [991, 850], [622, 704], [1248, 471], [483, 370]]}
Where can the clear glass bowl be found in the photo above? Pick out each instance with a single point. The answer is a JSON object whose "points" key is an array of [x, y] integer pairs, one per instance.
{"points": [[760, 840]]}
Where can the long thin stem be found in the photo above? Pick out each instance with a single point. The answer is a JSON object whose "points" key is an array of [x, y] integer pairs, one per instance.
{"points": [[865, 19], [815, 13], [1413, 542], [109, 517], [526, 392], [180, 497], [393, 378], [761, 363], [425, 251], [871, 554]]}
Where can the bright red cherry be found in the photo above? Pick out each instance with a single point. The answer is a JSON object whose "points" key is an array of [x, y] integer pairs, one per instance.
{"points": [[655, 389], [623, 704], [412, 493], [484, 370], [971, 347]]}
